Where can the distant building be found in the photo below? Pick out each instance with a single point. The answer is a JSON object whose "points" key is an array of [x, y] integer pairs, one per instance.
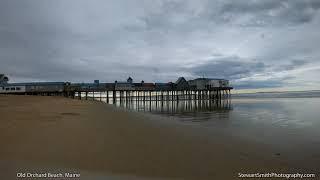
{"points": [[129, 80], [148, 86], [109, 86], [124, 85], [6, 87], [164, 86], [3, 79], [181, 84], [143, 86]]}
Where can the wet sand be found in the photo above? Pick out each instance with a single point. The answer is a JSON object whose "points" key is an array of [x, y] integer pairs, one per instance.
{"points": [[98, 140]]}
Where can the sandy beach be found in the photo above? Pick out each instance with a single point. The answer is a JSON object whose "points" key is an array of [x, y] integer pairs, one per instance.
{"points": [[97, 140]]}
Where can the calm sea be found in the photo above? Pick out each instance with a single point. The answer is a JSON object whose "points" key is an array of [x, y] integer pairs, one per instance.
{"points": [[289, 122]]}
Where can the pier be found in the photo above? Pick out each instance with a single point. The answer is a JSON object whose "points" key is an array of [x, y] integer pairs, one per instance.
{"points": [[126, 91], [149, 95]]}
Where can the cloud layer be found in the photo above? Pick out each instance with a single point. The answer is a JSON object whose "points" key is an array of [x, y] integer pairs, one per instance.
{"points": [[255, 44]]}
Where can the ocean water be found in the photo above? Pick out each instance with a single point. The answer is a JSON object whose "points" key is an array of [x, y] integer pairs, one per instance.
{"points": [[288, 122]]}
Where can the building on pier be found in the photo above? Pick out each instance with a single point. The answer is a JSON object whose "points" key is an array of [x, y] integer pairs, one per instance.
{"points": [[144, 86], [124, 85], [86, 86], [69, 89], [182, 84], [207, 83], [109, 86], [164, 86]]}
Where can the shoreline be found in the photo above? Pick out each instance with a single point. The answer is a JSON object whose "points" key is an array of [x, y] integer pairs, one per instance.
{"points": [[94, 137]]}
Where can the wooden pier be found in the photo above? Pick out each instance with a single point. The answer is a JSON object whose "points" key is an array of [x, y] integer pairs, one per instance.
{"points": [[149, 95]]}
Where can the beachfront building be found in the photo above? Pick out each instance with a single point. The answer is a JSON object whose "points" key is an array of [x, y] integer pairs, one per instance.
{"points": [[31, 88], [45, 87], [12, 88]]}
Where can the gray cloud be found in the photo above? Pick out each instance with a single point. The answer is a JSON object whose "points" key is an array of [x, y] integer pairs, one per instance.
{"points": [[293, 64], [228, 67], [253, 43], [273, 12]]}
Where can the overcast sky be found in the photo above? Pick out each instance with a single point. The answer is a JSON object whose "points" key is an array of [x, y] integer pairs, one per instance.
{"points": [[253, 43]]}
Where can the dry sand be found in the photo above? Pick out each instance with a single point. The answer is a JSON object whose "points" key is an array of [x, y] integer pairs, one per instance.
{"points": [[103, 142]]}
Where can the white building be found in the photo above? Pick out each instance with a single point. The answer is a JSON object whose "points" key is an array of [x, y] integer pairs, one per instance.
{"points": [[12, 89], [35, 87]]}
